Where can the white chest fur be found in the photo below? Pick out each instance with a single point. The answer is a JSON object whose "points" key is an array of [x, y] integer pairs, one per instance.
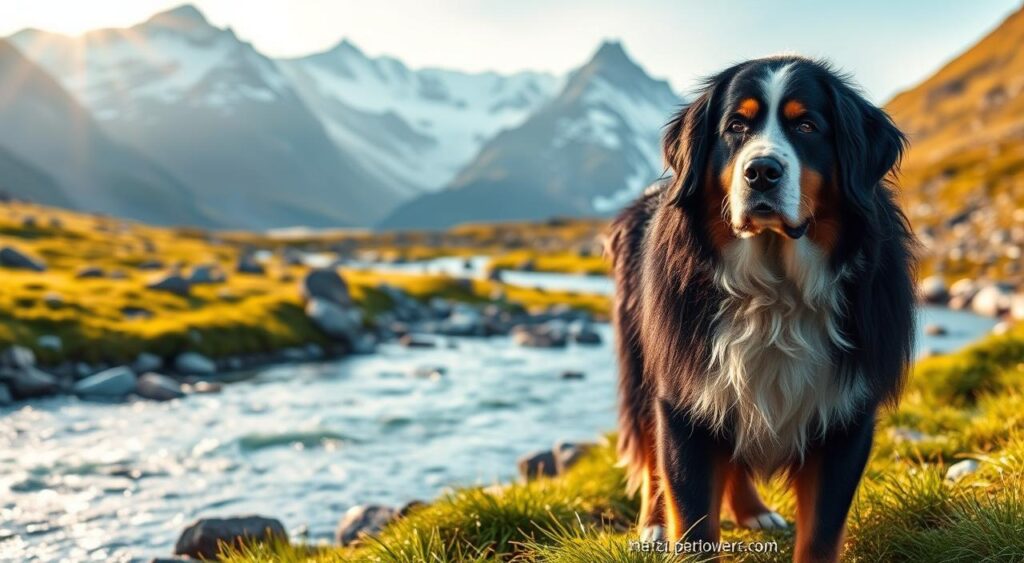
{"points": [[771, 381]]}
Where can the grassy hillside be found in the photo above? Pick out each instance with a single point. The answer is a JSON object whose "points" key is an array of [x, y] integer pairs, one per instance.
{"points": [[114, 317], [967, 405], [964, 175]]}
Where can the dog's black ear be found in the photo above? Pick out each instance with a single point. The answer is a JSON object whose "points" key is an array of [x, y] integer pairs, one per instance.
{"points": [[868, 145], [685, 147]]}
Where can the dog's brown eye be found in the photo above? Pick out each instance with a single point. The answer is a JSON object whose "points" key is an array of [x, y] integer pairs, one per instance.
{"points": [[806, 127], [737, 126]]}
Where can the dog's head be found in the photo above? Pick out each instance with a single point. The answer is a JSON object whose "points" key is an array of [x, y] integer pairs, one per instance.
{"points": [[782, 144]]}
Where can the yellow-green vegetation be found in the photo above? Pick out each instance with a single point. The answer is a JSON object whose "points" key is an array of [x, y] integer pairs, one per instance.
{"points": [[968, 404], [113, 318], [964, 175]]}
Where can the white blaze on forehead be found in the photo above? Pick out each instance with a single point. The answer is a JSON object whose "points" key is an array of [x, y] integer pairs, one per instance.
{"points": [[770, 141]]}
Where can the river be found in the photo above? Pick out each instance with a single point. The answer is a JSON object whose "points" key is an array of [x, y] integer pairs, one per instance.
{"points": [[91, 481]]}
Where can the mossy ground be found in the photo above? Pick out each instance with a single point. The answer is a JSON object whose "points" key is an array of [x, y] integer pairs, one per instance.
{"points": [[249, 314], [969, 404]]}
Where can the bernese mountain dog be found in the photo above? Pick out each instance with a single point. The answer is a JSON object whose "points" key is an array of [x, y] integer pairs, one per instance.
{"points": [[764, 304]]}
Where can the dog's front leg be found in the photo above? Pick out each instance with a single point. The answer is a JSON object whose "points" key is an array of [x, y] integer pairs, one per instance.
{"points": [[691, 462], [825, 486]]}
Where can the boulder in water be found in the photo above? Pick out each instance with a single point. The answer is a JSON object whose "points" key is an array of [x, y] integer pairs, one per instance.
{"points": [[203, 538], [157, 387], [327, 285], [363, 520], [194, 363], [113, 383]]}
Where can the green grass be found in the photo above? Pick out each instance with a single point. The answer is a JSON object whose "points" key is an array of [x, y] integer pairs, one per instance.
{"points": [[249, 314], [904, 510]]}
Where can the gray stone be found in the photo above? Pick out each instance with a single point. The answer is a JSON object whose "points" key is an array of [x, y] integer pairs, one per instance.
{"points": [[933, 290], [961, 469], [17, 357], [935, 330], [337, 321], [249, 265], [992, 300], [194, 363], [363, 520], [11, 257], [203, 538], [53, 300], [327, 285], [572, 374], [111, 383], [206, 274], [27, 382], [50, 342], [87, 272], [537, 464], [567, 454], [547, 335], [146, 362], [171, 283], [5, 396], [157, 387]]}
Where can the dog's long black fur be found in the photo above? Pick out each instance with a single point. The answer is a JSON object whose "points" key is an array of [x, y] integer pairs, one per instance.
{"points": [[664, 259]]}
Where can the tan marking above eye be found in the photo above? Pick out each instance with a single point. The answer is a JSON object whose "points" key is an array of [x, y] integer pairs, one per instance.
{"points": [[793, 109], [748, 108]]}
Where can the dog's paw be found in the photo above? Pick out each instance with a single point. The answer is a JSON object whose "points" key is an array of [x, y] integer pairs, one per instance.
{"points": [[652, 534], [765, 521]]}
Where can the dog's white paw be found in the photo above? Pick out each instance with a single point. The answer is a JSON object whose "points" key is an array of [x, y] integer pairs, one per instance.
{"points": [[652, 534], [765, 521]]}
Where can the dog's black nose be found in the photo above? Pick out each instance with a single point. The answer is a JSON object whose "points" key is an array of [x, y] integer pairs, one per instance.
{"points": [[763, 173]]}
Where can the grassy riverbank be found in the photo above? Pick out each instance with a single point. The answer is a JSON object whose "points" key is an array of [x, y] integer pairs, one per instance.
{"points": [[965, 405], [112, 317]]}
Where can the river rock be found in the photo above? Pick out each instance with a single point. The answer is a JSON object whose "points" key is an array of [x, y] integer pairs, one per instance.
{"points": [[583, 333], [933, 329], [111, 383], [363, 520], [17, 357], [961, 293], [194, 363], [146, 362], [11, 257], [337, 321], [933, 290], [50, 342], [537, 464], [27, 382], [992, 300], [566, 454], [5, 395], [961, 469], [249, 265], [572, 374], [206, 274], [327, 285], [547, 335], [87, 272], [203, 537], [157, 387], [171, 283]]}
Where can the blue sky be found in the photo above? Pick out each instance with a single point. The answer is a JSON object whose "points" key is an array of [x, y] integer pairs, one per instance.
{"points": [[887, 45]]}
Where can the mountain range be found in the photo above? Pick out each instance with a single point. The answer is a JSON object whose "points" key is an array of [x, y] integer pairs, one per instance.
{"points": [[178, 121], [336, 138]]}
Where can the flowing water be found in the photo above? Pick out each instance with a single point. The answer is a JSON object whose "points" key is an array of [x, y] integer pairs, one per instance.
{"points": [[91, 481]]}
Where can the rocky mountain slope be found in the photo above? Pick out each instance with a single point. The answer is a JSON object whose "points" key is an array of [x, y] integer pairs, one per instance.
{"points": [[222, 116], [413, 129], [586, 152], [963, 179], [53, 151]]}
